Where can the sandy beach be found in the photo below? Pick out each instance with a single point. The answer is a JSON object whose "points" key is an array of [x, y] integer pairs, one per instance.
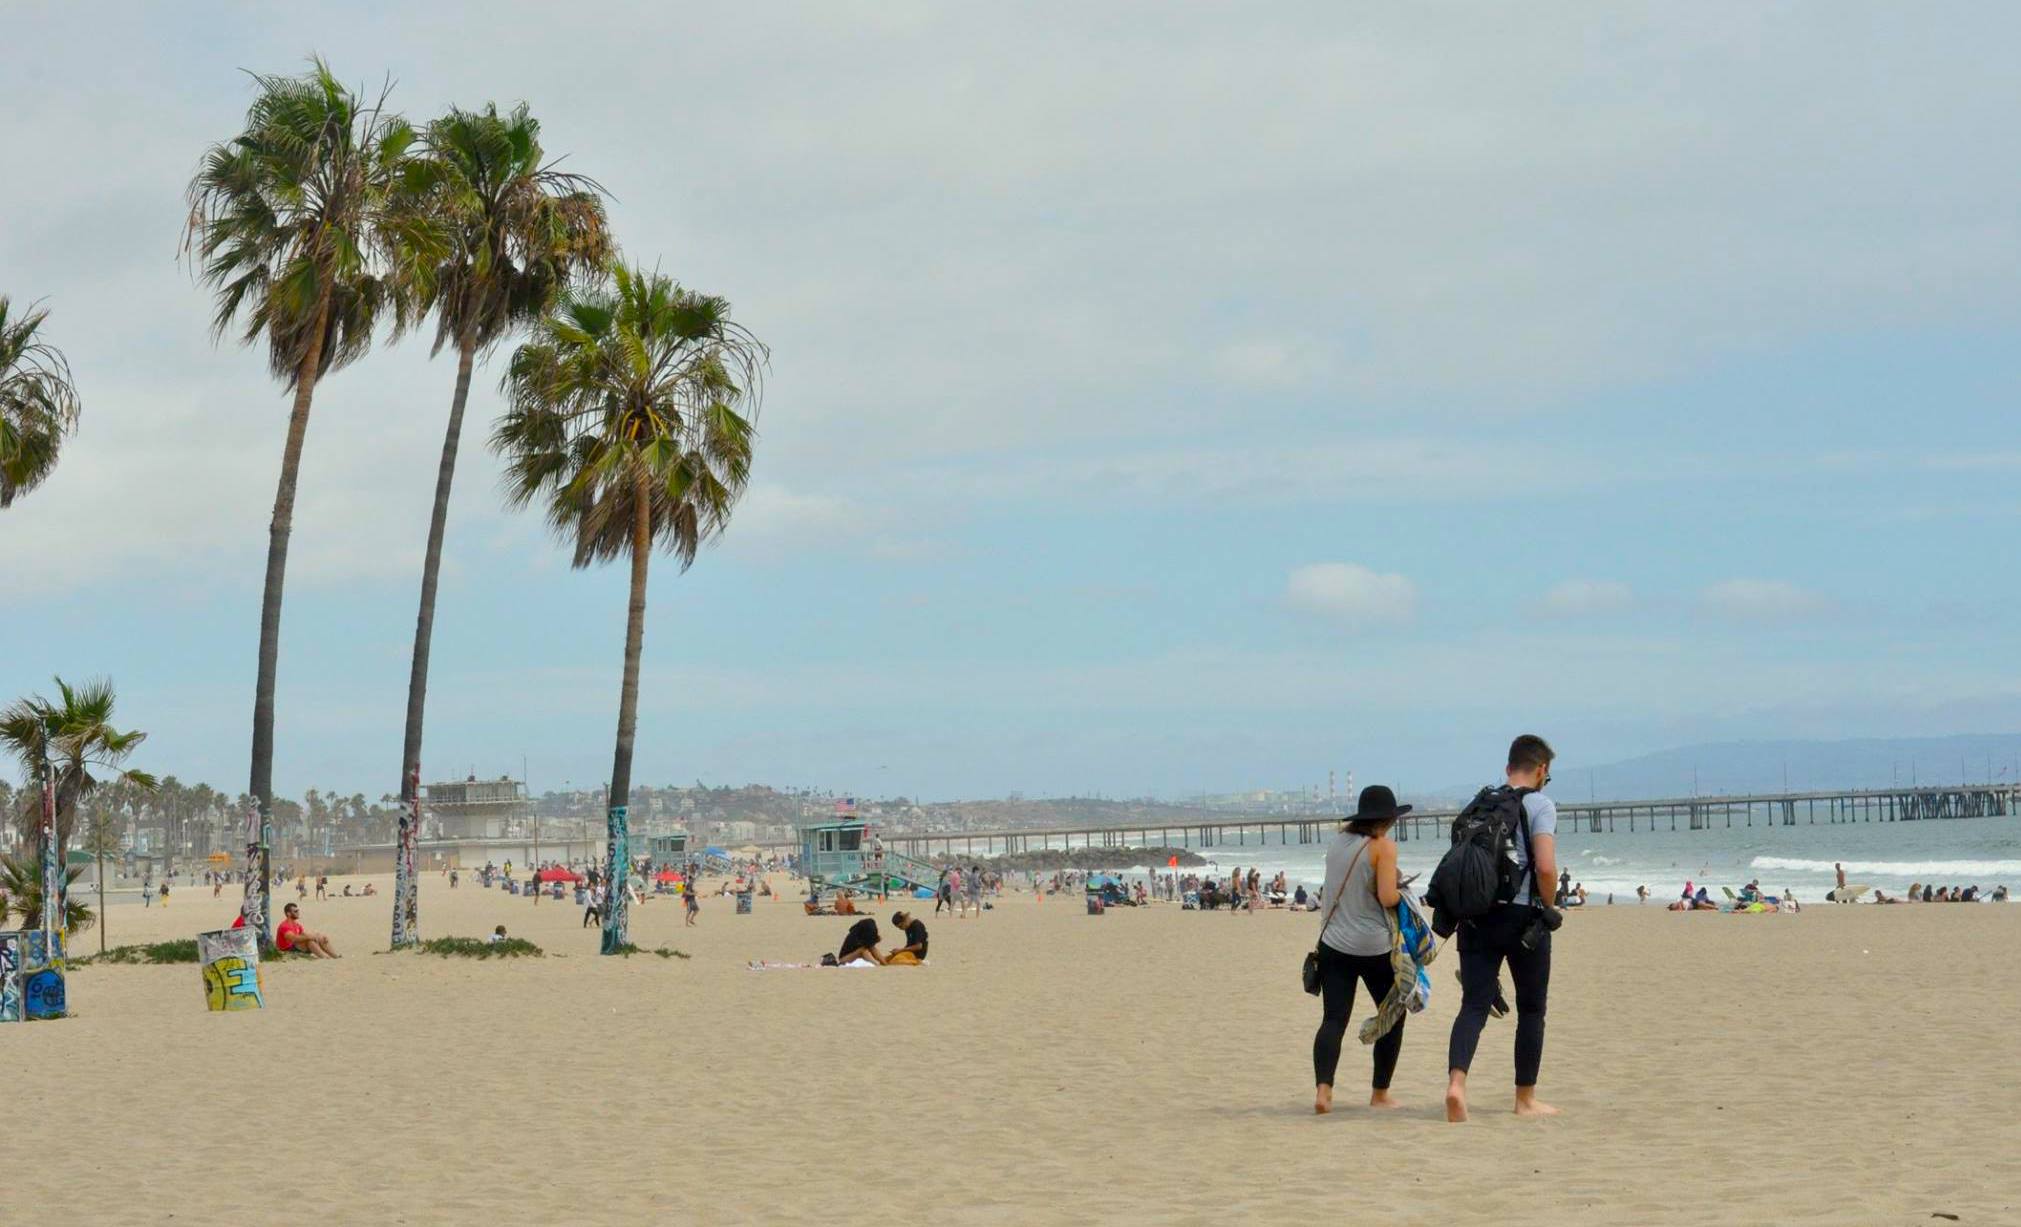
{"points": [[1848, 1065]]}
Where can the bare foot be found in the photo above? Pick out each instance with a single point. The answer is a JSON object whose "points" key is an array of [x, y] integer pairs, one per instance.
{"points": [[1381, 1101], [1534, 1107], [1456, 1104], [1322, 1101]]}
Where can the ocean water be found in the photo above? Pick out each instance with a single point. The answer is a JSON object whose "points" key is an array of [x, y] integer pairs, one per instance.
{"points": [[1955, 852]]}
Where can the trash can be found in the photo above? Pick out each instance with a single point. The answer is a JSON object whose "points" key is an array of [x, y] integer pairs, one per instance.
{"points": [[42, 969], [231, 969]]}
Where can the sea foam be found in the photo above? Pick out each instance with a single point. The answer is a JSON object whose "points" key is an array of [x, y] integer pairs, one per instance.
{"points": [[1919, 870]]}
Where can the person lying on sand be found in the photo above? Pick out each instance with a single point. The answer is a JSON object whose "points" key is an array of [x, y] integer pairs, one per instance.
{"points": [[291, 936]]}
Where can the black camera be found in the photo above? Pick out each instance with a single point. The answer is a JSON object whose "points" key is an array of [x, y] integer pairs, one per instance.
{"points": [[1542, 924]]}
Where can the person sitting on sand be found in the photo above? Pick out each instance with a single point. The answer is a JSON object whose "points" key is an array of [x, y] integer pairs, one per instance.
{"points": [[498, 935], [861, 943], [913, 952], [291, 936], [369, 892]]}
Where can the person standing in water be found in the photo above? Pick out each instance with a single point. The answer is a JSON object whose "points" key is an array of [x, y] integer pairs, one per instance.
{"points": [[1354, 941]]}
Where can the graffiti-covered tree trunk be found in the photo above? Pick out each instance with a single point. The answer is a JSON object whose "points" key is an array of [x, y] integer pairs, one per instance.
{"points": [[407, 868], [259, 830], [620, 861], [54, 880]]}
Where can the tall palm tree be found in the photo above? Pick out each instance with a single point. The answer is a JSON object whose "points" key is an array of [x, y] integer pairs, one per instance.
{"points": [[38, 402], [631, 424], [290, 221], [71, 745], [505, 232]]}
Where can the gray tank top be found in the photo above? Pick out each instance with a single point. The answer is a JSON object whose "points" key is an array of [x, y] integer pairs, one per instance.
{"points": [[1357, 925]]}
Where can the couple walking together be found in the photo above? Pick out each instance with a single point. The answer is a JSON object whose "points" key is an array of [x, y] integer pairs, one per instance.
{"points": [[1354, 943]]}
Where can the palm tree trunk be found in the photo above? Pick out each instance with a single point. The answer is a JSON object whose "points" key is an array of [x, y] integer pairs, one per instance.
{"points": [[618, 864], [406, 903], [258, 918]]}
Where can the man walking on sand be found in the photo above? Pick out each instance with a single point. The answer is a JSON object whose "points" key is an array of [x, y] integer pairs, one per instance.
{"points": [[1513, 932]]}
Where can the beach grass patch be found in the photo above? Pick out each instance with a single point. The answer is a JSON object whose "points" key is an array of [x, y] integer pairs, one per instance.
{"points": [[481, 948], [628, 950], [183, 951]]}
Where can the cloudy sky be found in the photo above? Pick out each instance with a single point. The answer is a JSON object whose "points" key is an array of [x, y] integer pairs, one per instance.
{"points": [[1165, 397]]}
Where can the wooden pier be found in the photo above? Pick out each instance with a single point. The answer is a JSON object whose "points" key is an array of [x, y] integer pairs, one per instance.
{"points": [[1675, 814]]}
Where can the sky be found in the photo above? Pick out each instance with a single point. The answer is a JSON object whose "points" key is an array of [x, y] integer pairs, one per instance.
{"points": [[1165, 398]]}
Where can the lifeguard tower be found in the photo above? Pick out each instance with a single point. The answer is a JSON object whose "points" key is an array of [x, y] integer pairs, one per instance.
{"points": [[847, 854], [669, 849]]}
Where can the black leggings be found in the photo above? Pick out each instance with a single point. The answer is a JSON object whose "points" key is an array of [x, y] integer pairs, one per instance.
{"points": [[1484, 945], [1337, 974]]}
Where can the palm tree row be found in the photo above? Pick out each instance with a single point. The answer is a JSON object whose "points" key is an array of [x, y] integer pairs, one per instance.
{"points": [[630, 412]]}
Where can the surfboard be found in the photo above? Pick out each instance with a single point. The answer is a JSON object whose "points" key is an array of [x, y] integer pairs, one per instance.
{"points": [[1849, 894]]}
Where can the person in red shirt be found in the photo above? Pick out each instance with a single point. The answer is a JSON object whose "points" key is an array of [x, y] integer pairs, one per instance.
{"points": [[291, 936]]}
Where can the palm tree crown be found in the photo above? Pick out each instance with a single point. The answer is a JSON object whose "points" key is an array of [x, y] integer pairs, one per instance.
{"points": [[500, 231], [74, 735], [291, 219], [635, 390], [38, 403]]}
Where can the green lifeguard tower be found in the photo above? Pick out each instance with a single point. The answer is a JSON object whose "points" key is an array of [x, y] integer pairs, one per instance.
{"points": [[847, 854], [669, 849]]}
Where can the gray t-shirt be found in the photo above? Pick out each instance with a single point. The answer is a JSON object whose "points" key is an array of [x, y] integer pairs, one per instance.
{"points": [[1542, 813]]}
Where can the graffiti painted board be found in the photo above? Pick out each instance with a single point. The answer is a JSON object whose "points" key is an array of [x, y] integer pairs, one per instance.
{"points": [[231, 969], [10, 977]]}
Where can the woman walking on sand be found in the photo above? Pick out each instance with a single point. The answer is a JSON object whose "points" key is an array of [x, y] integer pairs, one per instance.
{"points": [[1354, 940]]}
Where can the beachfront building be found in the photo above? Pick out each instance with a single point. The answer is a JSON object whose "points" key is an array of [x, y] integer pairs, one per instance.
{"points": [[471, 808]]}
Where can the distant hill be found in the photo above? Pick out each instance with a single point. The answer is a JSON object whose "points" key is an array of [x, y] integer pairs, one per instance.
{"points": [[1764, 766]]}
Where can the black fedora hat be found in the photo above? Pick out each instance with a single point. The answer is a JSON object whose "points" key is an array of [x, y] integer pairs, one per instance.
{"points": [[1378, 804]]}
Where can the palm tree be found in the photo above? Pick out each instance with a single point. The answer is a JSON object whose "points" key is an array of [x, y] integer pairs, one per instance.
{"points": [[21, 888], [72, 746], [290, 221], [631, 423], [38, 403], [505, 233]]}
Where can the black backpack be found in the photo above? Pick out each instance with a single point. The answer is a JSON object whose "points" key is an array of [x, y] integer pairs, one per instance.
{"points": [[1477, 872]]}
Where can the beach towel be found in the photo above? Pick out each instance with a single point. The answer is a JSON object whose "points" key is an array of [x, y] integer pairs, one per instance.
{"points": [[1412, 945]]}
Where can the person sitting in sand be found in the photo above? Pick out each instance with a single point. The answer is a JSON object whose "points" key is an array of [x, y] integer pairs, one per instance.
{"points": [[498, 935], [369, 892], [913, 952], [861, 943], [291, 936]]}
